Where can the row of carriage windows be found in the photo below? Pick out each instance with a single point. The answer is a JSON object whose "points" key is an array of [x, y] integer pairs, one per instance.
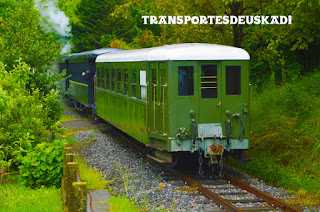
{"points": [[209, 81], [112, 80]]}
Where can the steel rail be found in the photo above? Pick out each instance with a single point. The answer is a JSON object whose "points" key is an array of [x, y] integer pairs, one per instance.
{"points": [[265, 197], [205, 192], [226, 204]]}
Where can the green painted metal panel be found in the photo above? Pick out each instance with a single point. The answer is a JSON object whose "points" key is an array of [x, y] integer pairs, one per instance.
{"points": [[233, 105], [124, 111], [79, 91], [182, 109], [157, 98], [209, 106]]}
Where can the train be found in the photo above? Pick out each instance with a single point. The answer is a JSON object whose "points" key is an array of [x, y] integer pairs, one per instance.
{"points": [[177, 100]]}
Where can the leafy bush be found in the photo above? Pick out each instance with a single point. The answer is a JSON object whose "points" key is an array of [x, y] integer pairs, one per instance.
{"points": [[43, 165], [26, 118]]}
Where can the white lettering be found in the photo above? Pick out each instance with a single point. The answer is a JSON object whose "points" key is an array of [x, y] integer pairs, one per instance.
{"points": [[211, 19], [218, 19], [187, 19], [162, 19], [283, 19], [257, 20], [180, 19], [274, 19], [145, 19], [241, 19], [249, 19], [233, 19], [264, 19], [195, 20], [203, 19], [153, 19], [172, 19], [226, 20], [290, 19]]}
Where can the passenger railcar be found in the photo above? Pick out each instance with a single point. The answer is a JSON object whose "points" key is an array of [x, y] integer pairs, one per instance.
{"points": [[81, 87], [178, 98]]}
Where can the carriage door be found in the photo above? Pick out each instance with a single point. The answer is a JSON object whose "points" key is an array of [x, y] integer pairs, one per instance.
{"points": [[158, 88], [209, 98]]}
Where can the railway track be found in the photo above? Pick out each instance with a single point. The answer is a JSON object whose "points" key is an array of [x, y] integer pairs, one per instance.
{"points": [[220, 191]]}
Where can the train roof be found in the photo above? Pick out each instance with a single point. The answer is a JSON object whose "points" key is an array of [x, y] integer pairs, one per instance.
{"points": [[90, 54], [186, 51]]}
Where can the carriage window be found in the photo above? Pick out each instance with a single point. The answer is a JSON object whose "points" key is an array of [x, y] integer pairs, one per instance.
{"points": [[119, 81], [125, 82], [209, 80], [133, 83], [143, 85], [112, 79], [185, 80], [233, 77], [107, 79]]}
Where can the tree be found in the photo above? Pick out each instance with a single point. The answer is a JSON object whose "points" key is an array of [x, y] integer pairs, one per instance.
{"points": [[23, 36], [96, 25]]}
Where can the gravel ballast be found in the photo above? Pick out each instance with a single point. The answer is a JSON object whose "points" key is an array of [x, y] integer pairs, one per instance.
{"points": [[144, 181]]}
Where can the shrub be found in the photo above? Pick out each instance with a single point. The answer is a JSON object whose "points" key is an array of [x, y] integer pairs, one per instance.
{"points": [[43, 165], [26, 118]]}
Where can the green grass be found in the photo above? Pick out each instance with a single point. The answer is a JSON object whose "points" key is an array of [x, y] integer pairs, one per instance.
{"points": [[121, 204], [95, 181], [286, 137], [18, 198], [94, 178], [65, 118]]}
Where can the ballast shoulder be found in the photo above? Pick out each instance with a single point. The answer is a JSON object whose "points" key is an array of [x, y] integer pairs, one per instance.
{"points": [[187, 51]]}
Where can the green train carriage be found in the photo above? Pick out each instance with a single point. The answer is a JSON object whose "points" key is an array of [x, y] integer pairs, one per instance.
{"points": [[178, 98], [79, 89]]}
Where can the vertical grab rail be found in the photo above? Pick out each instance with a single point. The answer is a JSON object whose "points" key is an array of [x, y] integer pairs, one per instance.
{"points": [[147, 127], [251, 107], [154, 106], [95, 90], [163, 110]]}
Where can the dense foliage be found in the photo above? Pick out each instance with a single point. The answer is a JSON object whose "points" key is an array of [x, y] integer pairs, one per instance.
{"points": [[279, 53], [43, 165], [26, 119], [29, 104], [22, 35], [96, 27]]}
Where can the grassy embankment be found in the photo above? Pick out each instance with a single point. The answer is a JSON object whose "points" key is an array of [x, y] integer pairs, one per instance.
{"points": [[96, 181], [15, 197], [94, 178], [286, 138]]}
